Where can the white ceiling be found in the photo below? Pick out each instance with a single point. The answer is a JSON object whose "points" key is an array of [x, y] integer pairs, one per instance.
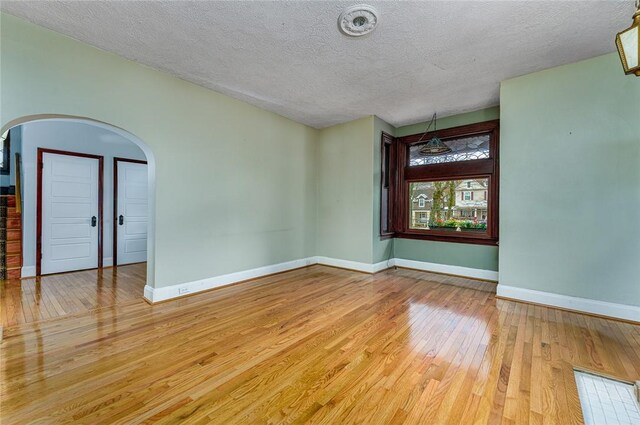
{"points": [[290, 58]]}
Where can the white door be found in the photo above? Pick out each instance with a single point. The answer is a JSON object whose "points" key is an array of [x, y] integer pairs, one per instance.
{"points": [[131, 218], [70, 216]]}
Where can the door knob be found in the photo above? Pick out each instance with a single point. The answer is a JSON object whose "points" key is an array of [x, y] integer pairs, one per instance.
{"points": [[120, 220], [94, 221]]}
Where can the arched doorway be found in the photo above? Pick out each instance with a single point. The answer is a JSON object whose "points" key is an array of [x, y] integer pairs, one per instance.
{"points": [[150, 167]]}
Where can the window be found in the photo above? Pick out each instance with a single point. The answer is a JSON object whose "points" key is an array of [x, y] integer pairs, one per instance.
{"points": [[387, 185], [468, 214], [458, 189], [449, 212], [464, 148]]}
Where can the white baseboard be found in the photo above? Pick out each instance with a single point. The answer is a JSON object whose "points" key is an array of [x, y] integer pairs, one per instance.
{"points": [[602, 308], [28, 271], [383, 265], [167, 292], [354, 265], [444, 268]]}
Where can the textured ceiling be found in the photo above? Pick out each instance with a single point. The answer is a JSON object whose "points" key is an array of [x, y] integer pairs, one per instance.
{"points": [[290, 58]]}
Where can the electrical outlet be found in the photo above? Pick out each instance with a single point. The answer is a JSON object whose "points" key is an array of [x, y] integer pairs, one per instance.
{"points": [[182, 291]]}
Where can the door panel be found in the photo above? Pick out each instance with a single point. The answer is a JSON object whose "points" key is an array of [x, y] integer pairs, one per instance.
{"points": [[132, 206], [70, 191]]}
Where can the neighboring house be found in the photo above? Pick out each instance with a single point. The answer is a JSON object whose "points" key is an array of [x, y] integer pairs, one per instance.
{"points": [[471, 200], [421, 207], [470, 203]]}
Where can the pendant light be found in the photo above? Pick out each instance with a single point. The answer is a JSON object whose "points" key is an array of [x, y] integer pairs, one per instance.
{"points": [[628, 43], [435, 146]]}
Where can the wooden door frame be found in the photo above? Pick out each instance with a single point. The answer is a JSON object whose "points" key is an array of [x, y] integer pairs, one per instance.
{"points": [[40, 165], [115, 203]]}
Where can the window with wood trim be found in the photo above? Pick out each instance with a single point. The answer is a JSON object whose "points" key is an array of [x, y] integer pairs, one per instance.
{"points": [[452, 196], [387, 184]]}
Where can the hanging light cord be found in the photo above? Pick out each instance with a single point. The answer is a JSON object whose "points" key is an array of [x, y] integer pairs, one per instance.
{"points": [[435, 128]]}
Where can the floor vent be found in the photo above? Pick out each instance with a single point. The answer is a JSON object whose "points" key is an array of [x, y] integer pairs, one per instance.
{"points": [[607, 401]]}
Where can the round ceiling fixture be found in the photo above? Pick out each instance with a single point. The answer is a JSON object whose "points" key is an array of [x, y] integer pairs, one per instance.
{"points": [[358, 20]]}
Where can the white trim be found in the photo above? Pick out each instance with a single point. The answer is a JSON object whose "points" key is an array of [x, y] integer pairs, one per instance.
{"points": [[445, 268], [148, 293], [28, 271], [383, 265], [603, 308], [621, 311], [167, 292], [354, 265]]}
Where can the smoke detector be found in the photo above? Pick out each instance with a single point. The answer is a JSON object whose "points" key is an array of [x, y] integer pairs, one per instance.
{"points": [[358, 20]]}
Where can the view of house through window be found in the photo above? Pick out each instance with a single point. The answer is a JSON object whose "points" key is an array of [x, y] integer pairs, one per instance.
{"points": [[450, 205], [447, 197]]}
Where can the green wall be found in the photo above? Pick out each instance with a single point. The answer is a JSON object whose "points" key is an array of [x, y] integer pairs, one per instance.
{"points": [[235, 185], [454, 254], [570, 181], [345, 191]]}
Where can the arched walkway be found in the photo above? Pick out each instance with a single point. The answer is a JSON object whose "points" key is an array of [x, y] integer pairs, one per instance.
{"points": [[150, 277]]}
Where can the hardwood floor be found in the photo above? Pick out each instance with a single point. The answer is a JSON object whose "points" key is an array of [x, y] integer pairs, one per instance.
{"points": [[316, 345], [47, 297]]}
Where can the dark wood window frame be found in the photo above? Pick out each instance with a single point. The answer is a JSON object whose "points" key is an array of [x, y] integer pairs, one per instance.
{"points": [[403, 175], [388, 175]]}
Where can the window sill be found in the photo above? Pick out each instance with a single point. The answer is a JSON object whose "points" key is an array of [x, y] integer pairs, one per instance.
{"points": [[445, 237]]}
